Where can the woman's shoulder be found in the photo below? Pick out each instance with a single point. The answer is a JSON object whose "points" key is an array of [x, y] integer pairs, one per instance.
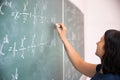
{"points": [[112, 77], [100, 76]]}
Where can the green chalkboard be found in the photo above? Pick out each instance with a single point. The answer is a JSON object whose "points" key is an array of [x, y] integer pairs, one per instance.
{"points": [[30, 48], [74, 21]]}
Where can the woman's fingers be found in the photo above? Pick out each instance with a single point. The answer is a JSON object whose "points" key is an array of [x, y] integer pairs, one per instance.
{"points": [[58, 28]]}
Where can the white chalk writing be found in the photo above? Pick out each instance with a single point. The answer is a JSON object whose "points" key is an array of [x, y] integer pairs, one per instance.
{"points": [[33, 45], [14, 49], [22, 48], [6, 3], [15, 76], [5, 41], [1, 48]]}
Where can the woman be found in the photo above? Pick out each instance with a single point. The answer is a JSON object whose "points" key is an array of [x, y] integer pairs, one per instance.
{"points": [[108, 50]]}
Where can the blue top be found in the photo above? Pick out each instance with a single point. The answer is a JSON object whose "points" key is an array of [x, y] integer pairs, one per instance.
{"points": [[100, 76]]}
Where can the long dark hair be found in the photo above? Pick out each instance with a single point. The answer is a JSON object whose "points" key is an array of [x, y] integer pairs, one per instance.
{"points": [[111, 58]]}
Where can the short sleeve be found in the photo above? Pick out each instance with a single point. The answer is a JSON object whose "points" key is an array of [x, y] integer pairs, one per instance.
{"points": [[98, 67]]}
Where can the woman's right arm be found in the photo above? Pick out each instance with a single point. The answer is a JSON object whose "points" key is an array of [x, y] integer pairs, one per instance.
{"points": [[77, 61]]}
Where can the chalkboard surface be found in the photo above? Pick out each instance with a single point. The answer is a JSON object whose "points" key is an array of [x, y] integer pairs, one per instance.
{"points": [[30, 48], [74, 21], [29, 45]]}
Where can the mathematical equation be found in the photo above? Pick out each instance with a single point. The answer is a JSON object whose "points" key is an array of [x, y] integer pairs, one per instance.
{"points": [[23, 48], [15, 75], [6, 3], [26, 15]]}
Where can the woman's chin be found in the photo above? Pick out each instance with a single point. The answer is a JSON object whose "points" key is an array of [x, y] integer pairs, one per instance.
{"points": [[97, 54]]}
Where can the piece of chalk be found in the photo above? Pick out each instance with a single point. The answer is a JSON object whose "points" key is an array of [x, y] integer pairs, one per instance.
{"points": [[58, 25]]}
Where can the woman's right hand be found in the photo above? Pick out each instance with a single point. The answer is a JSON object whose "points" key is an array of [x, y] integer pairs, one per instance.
{"points": [[61, 29]]}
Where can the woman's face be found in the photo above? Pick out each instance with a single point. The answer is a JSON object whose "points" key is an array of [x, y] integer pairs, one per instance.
{"points": [[100, 50]]}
